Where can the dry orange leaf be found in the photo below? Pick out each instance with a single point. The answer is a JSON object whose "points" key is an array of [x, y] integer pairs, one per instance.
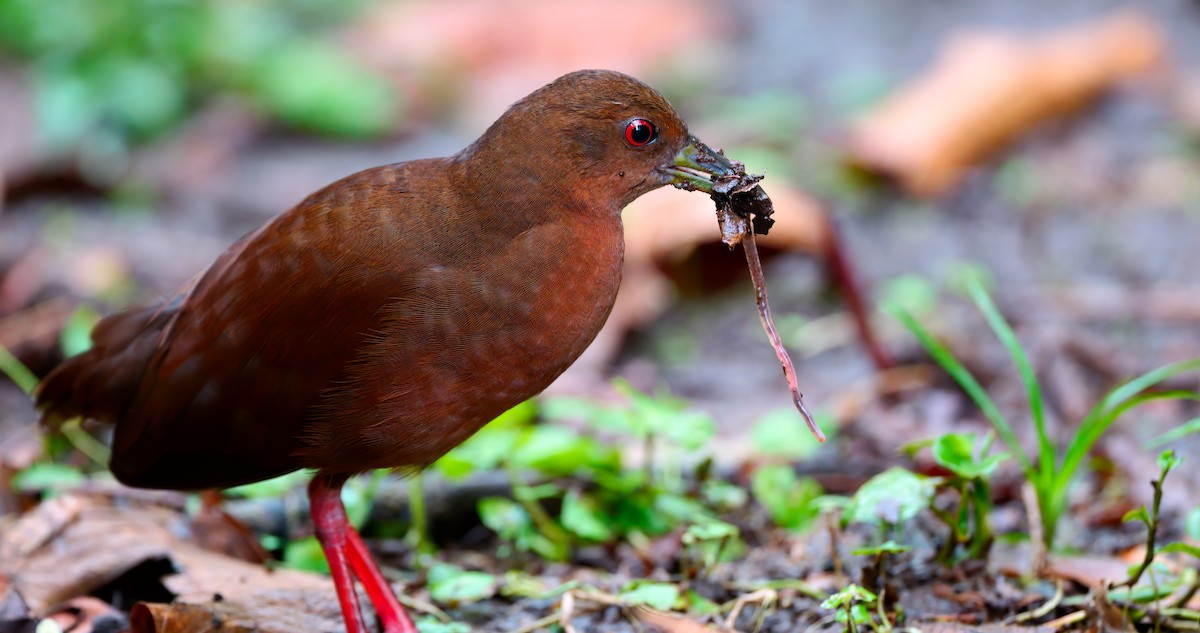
{"points": [[148, 617], [987, 89]]}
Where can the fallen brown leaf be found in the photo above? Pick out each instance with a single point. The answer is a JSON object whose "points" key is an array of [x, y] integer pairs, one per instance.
{"points": [[988, 88], [669, 623], [71, 545], [1088, 571], [188, 618]]}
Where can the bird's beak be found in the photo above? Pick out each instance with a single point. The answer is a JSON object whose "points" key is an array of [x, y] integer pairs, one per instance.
{"points": [[698, 167]]}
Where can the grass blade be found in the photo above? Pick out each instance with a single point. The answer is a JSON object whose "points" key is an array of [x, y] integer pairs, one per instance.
{"points": [[1187, 428], [961, 375], [16, 371], [1117, 402], [1033, 390]]}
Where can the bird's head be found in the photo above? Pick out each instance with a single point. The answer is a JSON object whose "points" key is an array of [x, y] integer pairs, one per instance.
{"points": [[603, 136]]}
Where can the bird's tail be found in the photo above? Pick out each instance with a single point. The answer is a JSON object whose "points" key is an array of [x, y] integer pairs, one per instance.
{"points": [[101, 383]]}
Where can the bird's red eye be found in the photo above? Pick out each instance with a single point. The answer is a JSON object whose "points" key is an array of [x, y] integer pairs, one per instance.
{"points": [[640, 132]]}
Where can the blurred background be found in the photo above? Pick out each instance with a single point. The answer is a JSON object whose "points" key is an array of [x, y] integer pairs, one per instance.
{"points": [[1054, 146]]}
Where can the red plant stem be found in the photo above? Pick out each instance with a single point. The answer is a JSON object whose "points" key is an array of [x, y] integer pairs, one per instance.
{"points": [[841, 274], [764, 315]]}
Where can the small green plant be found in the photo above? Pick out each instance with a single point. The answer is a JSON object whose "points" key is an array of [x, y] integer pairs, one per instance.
{"points": [[887, 501], [971, 464], [890, 499], [853, 608], [1167, 461], [789, 499], [656, 595], [708, 542], [1053, 468], [570, 489]]}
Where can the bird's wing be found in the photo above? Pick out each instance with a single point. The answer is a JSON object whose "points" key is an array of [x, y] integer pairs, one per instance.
{"points": [[265, 330]]}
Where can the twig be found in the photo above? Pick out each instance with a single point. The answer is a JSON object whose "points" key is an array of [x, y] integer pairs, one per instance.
{"points": [[764, 315], [567, 612], [420, 605], [835, 555], [1045, 609], [842, 274], [1067, 620], [1036, 529], [764, 597]]}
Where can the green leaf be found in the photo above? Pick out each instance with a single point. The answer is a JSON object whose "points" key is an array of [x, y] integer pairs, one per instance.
{"points": [[1191, 525], [887, 547], [712, 530], [505, 517], [519, 584], [956, 452], [430, 624], [274, 487], [666, 416], [690, 430], [1137, 514], [1179, 432], [1182, 548], [850, 595], [491, 445], [724, 495], [656, 595], [581, 515], [891, 497], [48, 476], [316, 87], [305, 554], [1168, 461], [782, 433], [911, 449], [452, 586], [599, 417], [560, 451], [911, 293], [679, 508], [788, 499], [699, 605], [76, 337]]}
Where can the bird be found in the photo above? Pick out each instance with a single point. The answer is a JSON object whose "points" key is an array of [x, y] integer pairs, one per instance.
{"points": [[388, 316]]}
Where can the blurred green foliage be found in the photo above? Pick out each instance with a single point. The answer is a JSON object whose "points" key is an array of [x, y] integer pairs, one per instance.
{"points": [[116, 72], [588, 492]]}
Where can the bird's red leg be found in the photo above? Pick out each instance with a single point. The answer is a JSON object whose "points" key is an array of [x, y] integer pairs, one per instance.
{"points": [[329, 519], [393, 616]]}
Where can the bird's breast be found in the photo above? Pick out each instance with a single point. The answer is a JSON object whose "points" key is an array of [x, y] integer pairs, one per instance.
{"points": [[471, 338]]}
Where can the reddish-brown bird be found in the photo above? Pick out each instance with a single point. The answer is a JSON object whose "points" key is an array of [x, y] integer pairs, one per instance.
{"points": [[390, 315]]}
